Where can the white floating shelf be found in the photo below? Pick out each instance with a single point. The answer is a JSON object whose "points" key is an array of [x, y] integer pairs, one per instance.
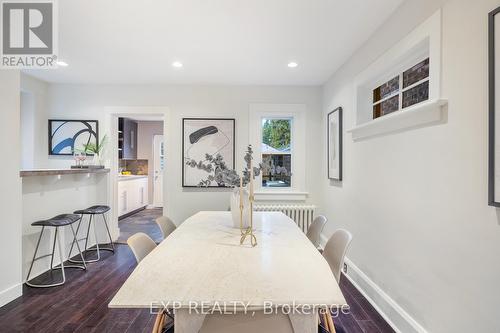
{"points": [[419, 115]]}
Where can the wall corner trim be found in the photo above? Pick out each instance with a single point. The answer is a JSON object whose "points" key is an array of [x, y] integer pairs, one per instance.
{"points": [[10, 294], [392, 312]]}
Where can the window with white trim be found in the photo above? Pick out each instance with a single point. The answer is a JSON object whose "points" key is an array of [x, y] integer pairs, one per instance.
{"points": [[277, 134], [276, 150]]}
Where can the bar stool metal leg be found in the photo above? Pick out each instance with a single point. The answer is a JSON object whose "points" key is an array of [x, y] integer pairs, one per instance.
{"points": [[85, 250], [34, 255], [53, 249], [75, 239], [87, 237], [96, 241], [51, 262], [78, 246], [56, 222], [112, 249], [61, 258], [98, 248], [84, 265]]}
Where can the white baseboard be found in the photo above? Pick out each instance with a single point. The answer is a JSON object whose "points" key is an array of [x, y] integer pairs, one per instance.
{"points": [[10, 294], [392, 313], [153, 206]]}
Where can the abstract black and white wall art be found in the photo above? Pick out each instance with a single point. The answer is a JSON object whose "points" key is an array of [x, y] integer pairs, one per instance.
{"points": [[203, 136], [335, 144], [67, 135]]}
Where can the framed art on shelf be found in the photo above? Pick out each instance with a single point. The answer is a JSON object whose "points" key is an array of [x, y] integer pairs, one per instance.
{"points": [[201, 136], [334, 144], [67, 135]]}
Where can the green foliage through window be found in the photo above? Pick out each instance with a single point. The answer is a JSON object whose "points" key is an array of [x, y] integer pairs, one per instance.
{"points": [[276, 133]]}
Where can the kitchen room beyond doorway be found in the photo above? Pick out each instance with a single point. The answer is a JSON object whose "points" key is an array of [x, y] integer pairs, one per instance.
{"points": [[141, 161]]}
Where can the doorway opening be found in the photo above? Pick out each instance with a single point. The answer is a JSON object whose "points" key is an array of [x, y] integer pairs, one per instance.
{"points": [[139, 185]]}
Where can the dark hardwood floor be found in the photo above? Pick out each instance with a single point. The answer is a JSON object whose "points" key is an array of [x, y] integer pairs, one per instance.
{"points": [[142, 221], [81, 304]]}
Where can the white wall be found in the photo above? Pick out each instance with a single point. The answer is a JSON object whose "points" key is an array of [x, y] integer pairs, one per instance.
{"points": [[36, 93], [10, 195], [416, 201], [86, 101], [146, 130], [27, 130]]}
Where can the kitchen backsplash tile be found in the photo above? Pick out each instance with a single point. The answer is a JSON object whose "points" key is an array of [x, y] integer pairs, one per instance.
{"points": [[136, 167]]}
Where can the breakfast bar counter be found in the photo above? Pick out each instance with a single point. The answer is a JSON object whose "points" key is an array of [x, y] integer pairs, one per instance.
{"points": [[49, 192], [57, 172]]}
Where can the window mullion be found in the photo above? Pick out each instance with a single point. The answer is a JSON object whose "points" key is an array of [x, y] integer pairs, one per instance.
{"points": [[400, 92]]}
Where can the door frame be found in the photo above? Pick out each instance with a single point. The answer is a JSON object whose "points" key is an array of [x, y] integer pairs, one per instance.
{"points": [[155, 157], [112, 115]]}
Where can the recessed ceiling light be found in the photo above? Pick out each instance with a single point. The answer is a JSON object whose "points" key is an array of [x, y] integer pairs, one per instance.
{"points": [[177, 64], [61, 63], [292, 64]]}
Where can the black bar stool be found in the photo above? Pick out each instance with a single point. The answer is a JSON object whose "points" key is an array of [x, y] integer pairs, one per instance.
{"points": [[55, 222], [92, 211]]}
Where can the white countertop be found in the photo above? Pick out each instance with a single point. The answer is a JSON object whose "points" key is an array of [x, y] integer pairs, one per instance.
{"points": [[202, 260], [130, 177]]}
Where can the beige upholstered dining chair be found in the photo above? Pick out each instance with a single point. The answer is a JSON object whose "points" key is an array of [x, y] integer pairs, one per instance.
{"points": [[141, 245], [314, 231], [335, 250], [334, 253], [166, 226]]}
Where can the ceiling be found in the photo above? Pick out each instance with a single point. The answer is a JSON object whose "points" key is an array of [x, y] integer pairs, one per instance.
{"points": [[234, 42]]}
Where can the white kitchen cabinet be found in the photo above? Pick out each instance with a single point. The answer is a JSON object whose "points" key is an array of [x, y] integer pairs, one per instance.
{"points": [[132, 193], [122, 199]]}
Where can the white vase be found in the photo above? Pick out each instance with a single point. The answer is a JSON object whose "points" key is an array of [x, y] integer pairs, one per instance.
{"points": [[235, 208], [96, 160]]}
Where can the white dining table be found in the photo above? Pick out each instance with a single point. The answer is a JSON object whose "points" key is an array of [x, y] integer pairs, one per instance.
{"points": [[202, 267]]}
